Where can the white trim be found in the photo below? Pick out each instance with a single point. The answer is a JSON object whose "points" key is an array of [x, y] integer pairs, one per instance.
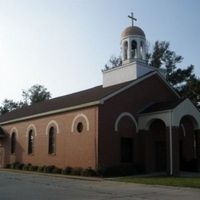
{"points": [[170, 87], [170, 145], [91, 103], [123, 115], [52, 112], [79, 116], [145, 121], [136, 82], [14, 129], [50, 124], [183, 128], [126, 87], [33, 127], [156, 112]]}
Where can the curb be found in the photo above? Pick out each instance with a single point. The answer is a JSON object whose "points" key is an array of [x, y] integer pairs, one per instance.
{"points": [[53, 175]]}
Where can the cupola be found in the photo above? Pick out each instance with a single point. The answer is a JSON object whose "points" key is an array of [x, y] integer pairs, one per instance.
{"points": [[133, 54], [133, 43]]}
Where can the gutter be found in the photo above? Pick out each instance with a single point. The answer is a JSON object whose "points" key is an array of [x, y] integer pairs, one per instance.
{"points": [[170, 145]]}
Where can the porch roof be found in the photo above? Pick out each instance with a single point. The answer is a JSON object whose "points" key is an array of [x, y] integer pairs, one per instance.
{"points": [[170, 113], [162, 106]]}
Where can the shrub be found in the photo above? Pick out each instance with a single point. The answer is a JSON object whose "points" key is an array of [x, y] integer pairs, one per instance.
{"points": [[88, 172], [19, 166], [8, 166], [27, 167], [49, 169], [41, 168], [56, 170], [76, 171], [119, 170], [34, 168], [67, 170], [14, 165]]}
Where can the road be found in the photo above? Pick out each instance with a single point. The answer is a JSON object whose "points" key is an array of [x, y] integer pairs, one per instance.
{"points": [[19, 186]]}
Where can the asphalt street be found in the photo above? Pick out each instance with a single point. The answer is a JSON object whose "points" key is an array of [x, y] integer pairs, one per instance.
{"points": [[19, 186]]}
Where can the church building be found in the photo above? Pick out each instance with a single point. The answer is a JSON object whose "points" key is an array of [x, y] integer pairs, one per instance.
{"points": [[134, 117]]}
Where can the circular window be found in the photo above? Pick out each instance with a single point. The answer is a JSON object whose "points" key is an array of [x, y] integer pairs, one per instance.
{"points": [[80, 127]]}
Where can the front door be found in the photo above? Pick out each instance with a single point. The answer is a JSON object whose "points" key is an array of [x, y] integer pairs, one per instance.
{"points": [[1, 157]]}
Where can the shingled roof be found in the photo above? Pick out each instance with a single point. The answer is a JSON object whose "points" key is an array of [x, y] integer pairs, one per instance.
{"points": [[161, 106], [79, 98]]}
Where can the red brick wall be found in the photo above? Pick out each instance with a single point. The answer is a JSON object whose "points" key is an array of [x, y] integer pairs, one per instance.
{"points": [[72, 149], [133, 101]]}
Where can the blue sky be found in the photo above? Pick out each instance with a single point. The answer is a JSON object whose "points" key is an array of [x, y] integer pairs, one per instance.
{"points": [[64, 44]]}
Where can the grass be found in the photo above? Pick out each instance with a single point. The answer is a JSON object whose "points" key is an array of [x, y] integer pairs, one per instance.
{"points": [[168, 181]]}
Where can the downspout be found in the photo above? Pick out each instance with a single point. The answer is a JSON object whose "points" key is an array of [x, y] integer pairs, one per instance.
{"points": [[170, 145]]}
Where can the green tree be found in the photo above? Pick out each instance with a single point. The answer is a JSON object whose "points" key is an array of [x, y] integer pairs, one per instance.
{"points": [[7, 106], [183, 80], [35, 94], [163, 57], [113, 62]]}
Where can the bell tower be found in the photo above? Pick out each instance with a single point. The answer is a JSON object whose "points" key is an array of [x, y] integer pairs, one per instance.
{"points": [[134, 60], [133, 43]]}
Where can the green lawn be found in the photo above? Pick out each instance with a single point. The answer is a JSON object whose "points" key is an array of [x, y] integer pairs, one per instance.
{"points": [[169, 181]]}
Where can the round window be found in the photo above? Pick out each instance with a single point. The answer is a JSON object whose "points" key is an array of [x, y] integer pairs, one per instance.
{"points": [[80, 127]]}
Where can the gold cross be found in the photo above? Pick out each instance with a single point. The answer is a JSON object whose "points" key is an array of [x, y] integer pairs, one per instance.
{"points": [[132, 18]]}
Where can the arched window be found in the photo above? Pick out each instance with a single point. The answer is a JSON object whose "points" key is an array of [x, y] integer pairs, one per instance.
{"points": [[52, 140], [133, 49], [125, 50], [13, 143], [30, 141]]}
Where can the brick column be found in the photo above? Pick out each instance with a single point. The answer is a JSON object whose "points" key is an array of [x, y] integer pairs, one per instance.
{"points": [[197, 133], [149, 161]]}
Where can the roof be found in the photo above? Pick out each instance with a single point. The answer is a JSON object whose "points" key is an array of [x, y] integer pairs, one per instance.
{"points": [[2, 134], [82, 99], [79, 98], [161, 106], [132, 30]]}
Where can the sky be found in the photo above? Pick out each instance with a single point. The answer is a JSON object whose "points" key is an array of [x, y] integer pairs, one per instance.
{"points": [[64, 44]]}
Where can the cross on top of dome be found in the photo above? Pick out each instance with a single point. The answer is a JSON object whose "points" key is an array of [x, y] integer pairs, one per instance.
{"points": [[132, 18]]}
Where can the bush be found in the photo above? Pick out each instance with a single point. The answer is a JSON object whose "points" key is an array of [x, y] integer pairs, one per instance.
{"points": [[27, 167], [119, 170], [12, 166], [67, 170], [49, 169], [41, 168], [19, 166], [8, 166], [76, 171], [34, 168], [88, 172], [56, 170], [15, 165]]}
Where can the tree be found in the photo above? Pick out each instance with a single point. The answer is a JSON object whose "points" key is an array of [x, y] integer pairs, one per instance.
{"points": [[163, 57], [113, 62], [7, 106], [191, 90], [35, 94], [183, 80]]}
